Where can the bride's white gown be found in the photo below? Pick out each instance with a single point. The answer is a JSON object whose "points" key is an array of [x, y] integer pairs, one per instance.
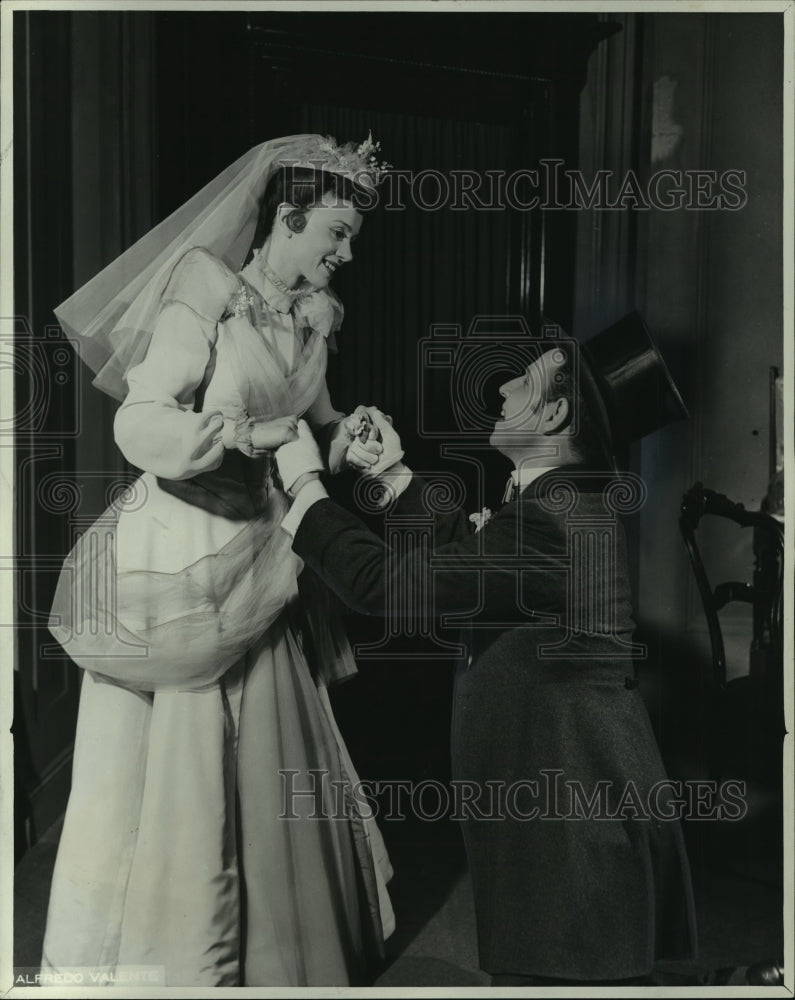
{"points": [[199, 709]]}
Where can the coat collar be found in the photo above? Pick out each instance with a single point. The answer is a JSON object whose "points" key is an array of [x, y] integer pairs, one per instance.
{"points": [[586, 479]]}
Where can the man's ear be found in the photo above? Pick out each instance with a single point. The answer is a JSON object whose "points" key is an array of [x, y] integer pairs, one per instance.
{"points": [[556, 415]]}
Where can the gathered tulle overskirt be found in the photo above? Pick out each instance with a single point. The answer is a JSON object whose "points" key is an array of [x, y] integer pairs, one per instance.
{"points": [[159, 594]]}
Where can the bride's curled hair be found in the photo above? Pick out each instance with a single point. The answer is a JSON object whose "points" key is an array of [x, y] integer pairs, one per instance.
{"points": [[304, 187]]}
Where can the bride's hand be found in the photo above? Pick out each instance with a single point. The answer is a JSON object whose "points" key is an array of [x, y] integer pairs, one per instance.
{"points": [[258, 437], [354, 444], [360, 427], [204, 447], [267, 435]]}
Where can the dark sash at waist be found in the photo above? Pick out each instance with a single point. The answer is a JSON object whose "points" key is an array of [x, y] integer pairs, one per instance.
{"points": [[238, 489]]}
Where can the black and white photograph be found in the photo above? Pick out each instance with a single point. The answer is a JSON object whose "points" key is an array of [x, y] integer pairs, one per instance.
{"points": [[396, 401]]}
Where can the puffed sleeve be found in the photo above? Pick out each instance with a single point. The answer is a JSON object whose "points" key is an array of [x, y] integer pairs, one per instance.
{"points": [[153, 428], [323, 312]]}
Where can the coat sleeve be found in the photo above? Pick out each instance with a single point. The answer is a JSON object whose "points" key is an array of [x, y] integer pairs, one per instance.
{"points": [[505, 570], [415, 501], [151, 427]]}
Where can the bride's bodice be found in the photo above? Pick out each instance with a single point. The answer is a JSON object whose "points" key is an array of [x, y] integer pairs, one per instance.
{"points": [[224, 343], [266, 362]]}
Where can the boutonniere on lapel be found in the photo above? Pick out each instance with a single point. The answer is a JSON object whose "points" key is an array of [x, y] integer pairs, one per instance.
{"points": [[481, 519], [315, 311]]}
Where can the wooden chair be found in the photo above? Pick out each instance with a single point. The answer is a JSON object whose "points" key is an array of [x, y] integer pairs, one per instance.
{"points": [[747, 717]]}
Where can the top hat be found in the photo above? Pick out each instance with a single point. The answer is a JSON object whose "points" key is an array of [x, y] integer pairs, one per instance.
{"points": [[625, 368]]}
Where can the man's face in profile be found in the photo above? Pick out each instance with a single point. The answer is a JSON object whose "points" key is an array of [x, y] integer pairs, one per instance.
{"points": [[524, 399]]}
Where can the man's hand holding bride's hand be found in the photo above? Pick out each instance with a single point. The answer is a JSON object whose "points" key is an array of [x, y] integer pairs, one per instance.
{"points": [[391, 447], [299, 461], [354, 443]]}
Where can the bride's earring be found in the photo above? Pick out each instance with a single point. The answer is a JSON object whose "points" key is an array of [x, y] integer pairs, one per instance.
{"points": [[295, 222]]}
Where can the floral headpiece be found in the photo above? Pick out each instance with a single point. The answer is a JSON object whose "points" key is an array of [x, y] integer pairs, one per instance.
{"points": [[359, 163]]}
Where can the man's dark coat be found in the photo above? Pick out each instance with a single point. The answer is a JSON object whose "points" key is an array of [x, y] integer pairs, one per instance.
{"points": [[557, 893]]}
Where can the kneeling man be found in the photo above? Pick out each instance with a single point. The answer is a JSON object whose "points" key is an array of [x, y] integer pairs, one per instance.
{"points": [[577, 860]]}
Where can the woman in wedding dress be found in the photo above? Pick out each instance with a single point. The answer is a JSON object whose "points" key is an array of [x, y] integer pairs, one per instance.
{"points": [[189, 854]]}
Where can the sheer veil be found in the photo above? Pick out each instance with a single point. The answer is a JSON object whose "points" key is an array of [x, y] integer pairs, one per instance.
{"points": [[111, 318]]}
